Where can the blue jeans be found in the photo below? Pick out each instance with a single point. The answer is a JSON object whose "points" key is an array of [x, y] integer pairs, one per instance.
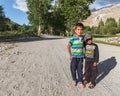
{"points": [[77, 69]]}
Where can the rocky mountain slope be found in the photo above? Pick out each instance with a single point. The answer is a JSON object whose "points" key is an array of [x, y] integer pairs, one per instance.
{"points": [[96, 16]]}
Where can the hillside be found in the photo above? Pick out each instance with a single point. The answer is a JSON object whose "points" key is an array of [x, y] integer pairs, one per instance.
{"points": [[96, 16]]}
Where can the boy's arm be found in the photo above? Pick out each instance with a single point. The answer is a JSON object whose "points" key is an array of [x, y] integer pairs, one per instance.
{"points": [[96, 55], [84, 48], [69, 50]]}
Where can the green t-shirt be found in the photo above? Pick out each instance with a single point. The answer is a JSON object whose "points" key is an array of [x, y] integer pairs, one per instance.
{"points": [[76, 46]]}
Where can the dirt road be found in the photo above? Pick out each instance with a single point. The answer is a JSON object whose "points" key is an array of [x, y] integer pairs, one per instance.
{"points": [[41, 68]]}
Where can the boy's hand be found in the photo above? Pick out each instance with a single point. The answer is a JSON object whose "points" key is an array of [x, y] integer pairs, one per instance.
{"points": [[94, 64], [69, 51], [70, 57]]}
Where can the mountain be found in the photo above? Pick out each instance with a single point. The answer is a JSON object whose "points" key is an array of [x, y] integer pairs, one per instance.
{"points": [[94, 9], [104, 13]]}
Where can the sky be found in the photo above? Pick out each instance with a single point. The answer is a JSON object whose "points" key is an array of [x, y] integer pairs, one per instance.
{"points": [[16, 9], [103, 3]]}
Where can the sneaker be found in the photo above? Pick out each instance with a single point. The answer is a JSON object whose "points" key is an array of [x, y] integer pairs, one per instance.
{"points": [[74, 83]]}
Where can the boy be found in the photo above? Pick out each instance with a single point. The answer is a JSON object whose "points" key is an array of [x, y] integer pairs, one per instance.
{"points": [[91, 60], [75, 49]]}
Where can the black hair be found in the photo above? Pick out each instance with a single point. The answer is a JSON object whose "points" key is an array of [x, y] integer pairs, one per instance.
{"points": [[79, 25], [88, 39]]}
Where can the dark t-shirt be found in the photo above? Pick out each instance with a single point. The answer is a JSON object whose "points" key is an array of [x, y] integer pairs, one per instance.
{"points": [[92, 52]]}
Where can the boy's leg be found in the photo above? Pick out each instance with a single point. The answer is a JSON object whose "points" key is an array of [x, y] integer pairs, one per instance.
{"points": [[73, 68], [80, 69], [80, 72], [93, 74], [87, 71]]}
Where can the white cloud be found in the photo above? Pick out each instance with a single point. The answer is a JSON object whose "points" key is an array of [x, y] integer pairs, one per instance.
{"points": [[21, 5]]}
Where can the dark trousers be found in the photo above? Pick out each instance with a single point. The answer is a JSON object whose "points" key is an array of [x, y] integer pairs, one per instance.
{"points": [[77, 69], [90, 72]]}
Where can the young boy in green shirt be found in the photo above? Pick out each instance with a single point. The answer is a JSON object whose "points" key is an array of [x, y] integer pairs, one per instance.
{"points": [[75, 50]]}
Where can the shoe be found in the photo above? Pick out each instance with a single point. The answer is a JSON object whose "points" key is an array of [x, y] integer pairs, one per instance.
{"points": [[74, 83]]}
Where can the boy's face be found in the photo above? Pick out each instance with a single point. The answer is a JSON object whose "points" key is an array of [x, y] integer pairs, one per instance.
{"points": [[89, 41], [78, 30]]}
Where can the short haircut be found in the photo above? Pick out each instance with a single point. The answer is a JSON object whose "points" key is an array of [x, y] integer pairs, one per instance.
{"points": [[89, 39], [79, 25]]}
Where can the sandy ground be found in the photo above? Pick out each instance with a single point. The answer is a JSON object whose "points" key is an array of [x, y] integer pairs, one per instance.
{"points": [[42, 68]]}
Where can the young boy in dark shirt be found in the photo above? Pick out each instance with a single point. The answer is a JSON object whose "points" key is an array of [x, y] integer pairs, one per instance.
{"points": [[91, 60]]}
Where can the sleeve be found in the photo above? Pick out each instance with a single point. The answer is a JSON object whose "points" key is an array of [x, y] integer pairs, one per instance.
{"points": [[71, 41], [84, 43], [96, 55]]}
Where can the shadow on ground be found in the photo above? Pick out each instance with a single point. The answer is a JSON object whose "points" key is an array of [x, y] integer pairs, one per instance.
{"points": [[105, 67], [26, 39]]}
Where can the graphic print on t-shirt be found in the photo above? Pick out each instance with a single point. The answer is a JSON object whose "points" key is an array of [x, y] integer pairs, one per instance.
{"points": [[89, 51]]}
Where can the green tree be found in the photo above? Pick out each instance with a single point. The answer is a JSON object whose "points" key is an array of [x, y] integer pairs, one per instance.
{"points": [[2, 19], [101, 23], [101, 27], [87, 29], [1, 12], [119, 25], [38, 12], [47, 16], [74, 11], [94, 30], [111, 22], [57, 20], [111, 26]]}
